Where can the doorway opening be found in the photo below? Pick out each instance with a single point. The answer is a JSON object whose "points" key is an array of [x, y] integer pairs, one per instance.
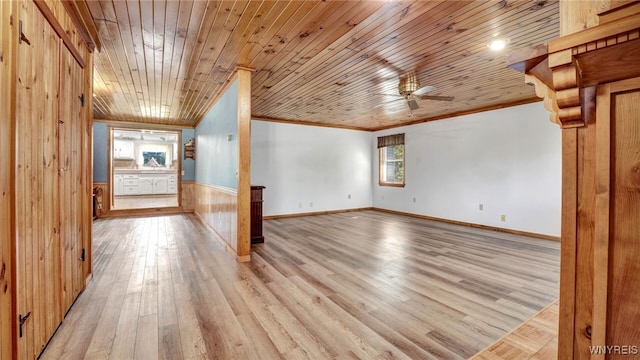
{"points": [[144, 167]]}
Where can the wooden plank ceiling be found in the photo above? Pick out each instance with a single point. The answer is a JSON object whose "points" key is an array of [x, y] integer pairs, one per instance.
{"points": [[334, 63]]}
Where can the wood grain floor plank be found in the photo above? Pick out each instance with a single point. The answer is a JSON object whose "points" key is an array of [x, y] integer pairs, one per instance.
{"points": [[360, 285], [146, 347], [169, 347]]}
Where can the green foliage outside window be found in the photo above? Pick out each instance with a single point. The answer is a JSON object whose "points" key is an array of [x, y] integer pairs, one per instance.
{"points": [[393, 163]]}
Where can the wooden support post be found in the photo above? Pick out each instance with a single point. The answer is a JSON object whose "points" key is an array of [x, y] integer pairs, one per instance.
{"points": [[244, 164]]}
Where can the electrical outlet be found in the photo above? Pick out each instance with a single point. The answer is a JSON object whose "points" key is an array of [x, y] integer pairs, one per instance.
{"points": [[481, 207], [182, 172], [310, 204], [349, 196], [503, 217], [414, 200]]}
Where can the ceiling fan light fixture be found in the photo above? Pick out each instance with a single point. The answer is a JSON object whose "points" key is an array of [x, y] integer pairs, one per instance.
{"points": [[408, 85], [498, 44]]}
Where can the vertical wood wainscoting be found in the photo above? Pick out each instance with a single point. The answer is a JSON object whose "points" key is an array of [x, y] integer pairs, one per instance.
{"points": [[216, 207], [188, 194]]}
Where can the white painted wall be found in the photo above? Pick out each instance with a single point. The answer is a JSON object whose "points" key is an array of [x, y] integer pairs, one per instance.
{"points": [[509, 160], [304, 165]]}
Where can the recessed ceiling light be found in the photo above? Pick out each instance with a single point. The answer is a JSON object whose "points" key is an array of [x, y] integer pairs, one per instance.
{"points": [[498, 44]]}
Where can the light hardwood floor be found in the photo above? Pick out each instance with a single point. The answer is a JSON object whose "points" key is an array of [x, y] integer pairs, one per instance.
{"points": [[535, 339], [366, 285]]}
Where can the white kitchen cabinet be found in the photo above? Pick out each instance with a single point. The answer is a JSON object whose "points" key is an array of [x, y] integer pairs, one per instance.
{"points": [[130, 186], [130, 190], [118, 185], [160, 185], [146, 185], [123, 150], [172, 184]]}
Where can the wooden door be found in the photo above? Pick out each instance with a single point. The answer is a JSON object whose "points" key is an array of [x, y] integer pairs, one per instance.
{"points": [[71, 176], [36, 181], [6, 174]]}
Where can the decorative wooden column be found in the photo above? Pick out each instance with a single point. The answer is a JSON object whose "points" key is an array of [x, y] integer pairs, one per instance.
{"points": [[590, 82]]}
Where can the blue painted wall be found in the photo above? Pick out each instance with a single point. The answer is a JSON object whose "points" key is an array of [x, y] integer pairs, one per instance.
{"points": [[100, 136], [217, 157], [188, 165]]}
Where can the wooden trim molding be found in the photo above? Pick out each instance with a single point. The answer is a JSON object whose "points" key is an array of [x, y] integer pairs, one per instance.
{"points": [[144, 212], [486, 227], [388, 184], [413, 122], [460, 113], [286, 216], [307, 123], [81, 18], [219, 188], [139, 125], [57, 27], [602, 216], [8, 246], [424, 217]]}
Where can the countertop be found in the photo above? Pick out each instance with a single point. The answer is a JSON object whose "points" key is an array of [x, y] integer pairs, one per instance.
{"points": [[145, 171]]}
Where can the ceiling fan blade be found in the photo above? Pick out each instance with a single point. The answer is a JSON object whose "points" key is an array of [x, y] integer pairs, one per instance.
{"points": [[413, 105], [423, 90], [439, 98]]}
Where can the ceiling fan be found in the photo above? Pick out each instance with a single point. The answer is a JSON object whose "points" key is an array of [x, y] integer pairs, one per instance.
{"points": [[410, 91]]}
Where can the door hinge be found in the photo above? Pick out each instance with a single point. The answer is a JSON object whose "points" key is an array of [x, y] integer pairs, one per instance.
{"points": [[81, 97], [82, 255], [22, 37], [22, 320]]}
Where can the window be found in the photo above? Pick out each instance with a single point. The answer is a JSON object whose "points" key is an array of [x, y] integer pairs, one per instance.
{"points": [[391, 169]]}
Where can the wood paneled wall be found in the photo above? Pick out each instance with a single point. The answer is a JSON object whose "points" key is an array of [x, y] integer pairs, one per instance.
{"points": [[217, 208], [6, 179], [188, 194], [44, 136]]}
